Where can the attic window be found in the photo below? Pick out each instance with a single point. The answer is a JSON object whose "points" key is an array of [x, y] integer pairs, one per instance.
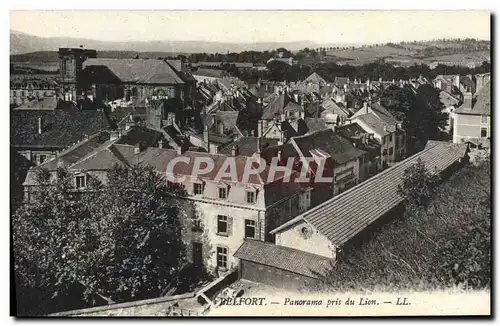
{"points": [[198, 188], [250, 196], [223, 192]]}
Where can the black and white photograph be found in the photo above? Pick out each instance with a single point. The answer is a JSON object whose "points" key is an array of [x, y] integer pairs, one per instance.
{"points": [[206, 163]]}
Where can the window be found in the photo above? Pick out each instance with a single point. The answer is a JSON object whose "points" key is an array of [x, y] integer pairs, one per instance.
{"points": [[250, 229], [80, 181], [484, 132], [42, 158], [390, 137], [198, 188], [484, 119], [222, 193], [222, 224], [251, 197], [391, 151], [222, 257]]}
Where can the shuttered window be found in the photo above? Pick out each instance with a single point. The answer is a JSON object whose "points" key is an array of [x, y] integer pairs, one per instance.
{"points": [[224, 225]]}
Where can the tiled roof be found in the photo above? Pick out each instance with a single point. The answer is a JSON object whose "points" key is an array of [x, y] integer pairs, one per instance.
{"points": [[142, 136], [346, 215], [325, 90], [447, 99], [228, 118], [330, 105], [76, 152], [372, 121], [206, 72], [284, 258], [247, 146], [315, 124], [482, 106], [140, 71], [280, 104], [467, 81], [60, 128], [182, 70], [338, 147]]}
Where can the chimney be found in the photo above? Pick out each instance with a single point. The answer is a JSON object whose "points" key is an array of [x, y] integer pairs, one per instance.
{"points": [[345, 87], [113, 135], [205, 137], [365, 107], [40, 125], [160, 143]]}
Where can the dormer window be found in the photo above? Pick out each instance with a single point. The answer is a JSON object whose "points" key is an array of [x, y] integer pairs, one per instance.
{"points": [[80, 181], [251, 196], [223, 192]]}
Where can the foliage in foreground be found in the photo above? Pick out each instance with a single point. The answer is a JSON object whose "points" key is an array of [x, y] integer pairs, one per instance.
{"points": [[443, 244], [114, 242]]}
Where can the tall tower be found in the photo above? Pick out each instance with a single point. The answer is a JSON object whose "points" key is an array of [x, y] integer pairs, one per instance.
{"points": [[70, 70]]}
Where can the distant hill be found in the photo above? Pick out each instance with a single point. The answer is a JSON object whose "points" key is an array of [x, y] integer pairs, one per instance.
{"points": [[24, 43]]}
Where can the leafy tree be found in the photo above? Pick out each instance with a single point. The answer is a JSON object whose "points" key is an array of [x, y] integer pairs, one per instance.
{"points": [[47, 232], [419, 185]]}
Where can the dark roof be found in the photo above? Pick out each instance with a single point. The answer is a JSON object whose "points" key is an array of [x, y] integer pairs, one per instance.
{"points": [[482, 105], [142, 136], [76, 152], [346, 215], [139, 71], [182, 70], [325, 90], [338, 147], [280, 104], [467, 82], [60, 128], [248, 145], [258, 91], [315, 124], [292, 260]]}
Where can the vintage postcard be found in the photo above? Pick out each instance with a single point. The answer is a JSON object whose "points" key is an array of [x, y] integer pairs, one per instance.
{"points": [[250, 163]]}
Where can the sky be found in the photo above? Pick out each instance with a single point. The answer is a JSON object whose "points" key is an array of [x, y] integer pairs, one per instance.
{"points": [[255, 26]]}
